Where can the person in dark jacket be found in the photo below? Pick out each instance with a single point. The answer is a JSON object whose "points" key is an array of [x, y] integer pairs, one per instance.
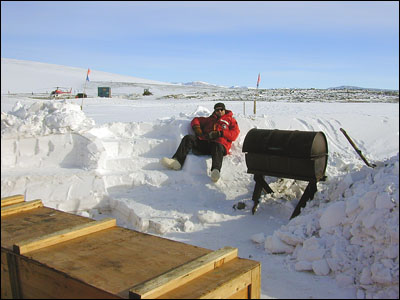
{"points": [[213, 135]]}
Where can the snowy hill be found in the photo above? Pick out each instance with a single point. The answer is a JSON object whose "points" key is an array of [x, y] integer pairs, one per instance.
{"points": [[201, 83], [19, 76]]}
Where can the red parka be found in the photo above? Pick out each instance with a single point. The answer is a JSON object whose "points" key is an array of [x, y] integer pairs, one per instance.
{"points": [[227, 124]]}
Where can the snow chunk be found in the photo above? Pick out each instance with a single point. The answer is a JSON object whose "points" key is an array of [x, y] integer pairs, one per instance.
{"points": [[333, 215], [210, 216], [274, 245], [320, 267], [303, 266], [258, 238]]}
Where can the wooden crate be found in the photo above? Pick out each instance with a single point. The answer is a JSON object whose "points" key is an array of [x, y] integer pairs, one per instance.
{"points": [[46, 253]]}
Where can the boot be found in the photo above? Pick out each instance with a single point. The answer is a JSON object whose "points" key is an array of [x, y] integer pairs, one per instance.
{"points": [[170, 163], [215, 175]]}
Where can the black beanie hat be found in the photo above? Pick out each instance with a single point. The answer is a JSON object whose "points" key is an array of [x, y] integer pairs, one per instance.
{"points": [[219, 105]]}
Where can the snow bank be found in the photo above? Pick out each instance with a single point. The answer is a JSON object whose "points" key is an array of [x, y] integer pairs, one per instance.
{"points": [[43, 118], [351, 230], [48, 144]]}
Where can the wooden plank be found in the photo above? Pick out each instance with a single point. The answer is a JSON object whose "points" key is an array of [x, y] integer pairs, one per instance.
{"points": [[63, 235], [36, 223], [12, 200], [222, 282], [182, 274], [20, 207], [255, 288], [13, 273], [242, 294], [6, 290]]}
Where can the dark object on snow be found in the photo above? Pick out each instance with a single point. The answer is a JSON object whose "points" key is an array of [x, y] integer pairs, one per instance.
{"points": [[356, 148], [239, 205], [300, 155], [147, 92], [81, 95]]}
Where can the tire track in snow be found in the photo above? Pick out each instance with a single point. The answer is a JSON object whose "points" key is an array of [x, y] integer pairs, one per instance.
{"points": [[332, 134], [306, 125]]}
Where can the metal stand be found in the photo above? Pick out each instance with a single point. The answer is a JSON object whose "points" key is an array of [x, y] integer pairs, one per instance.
{"points": [[262, 185], [307, 195]]}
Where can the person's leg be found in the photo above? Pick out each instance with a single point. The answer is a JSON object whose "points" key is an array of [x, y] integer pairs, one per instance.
{"points": [[187, 144], [217, 153]]}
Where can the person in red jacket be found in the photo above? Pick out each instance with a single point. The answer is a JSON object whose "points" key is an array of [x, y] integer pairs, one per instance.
{"points": [[213, 135]]}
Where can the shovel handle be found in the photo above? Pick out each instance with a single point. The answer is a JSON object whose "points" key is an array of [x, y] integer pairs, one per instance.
{"points": [[356, 148]]}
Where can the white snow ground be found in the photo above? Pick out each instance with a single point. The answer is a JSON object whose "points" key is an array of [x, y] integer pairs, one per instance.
{"points": [[104, 161]]}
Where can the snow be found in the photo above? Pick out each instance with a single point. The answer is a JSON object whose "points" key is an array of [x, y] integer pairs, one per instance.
{"points": [[103, 161]]}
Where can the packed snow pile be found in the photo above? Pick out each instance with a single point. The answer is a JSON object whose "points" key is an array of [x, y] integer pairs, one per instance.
{"points": [[352, 231], [43, 118]]}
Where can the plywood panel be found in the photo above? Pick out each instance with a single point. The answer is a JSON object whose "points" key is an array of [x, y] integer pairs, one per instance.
{"points": [[117, 259], [36, 223], [38, 281]]}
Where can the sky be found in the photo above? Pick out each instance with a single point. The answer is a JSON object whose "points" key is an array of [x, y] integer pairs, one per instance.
{"points": [[299, 44]]}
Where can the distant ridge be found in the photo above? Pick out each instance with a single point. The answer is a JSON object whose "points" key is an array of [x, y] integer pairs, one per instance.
{"points": [[199, 84], [31, 74], [350, 87]]}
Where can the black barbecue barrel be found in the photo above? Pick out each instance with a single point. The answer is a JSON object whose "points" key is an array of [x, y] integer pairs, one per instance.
{"points": [[293, 154]]}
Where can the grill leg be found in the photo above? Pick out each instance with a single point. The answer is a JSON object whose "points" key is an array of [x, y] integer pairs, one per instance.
{"points": [[261, 185], [307, 195]]}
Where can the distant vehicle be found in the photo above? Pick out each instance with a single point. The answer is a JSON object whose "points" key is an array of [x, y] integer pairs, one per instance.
{"points": [[147, 92], [81, 95], [60, 91]]}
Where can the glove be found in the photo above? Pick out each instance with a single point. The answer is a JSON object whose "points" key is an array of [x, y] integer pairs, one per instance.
{"points": [[214, 134], [197, 130]]}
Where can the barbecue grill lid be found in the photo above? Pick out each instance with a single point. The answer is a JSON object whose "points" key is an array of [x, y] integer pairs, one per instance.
{"points": [[301, 144]]}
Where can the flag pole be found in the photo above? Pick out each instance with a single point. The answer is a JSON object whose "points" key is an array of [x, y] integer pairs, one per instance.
{"points": [[84, 88], [258, 82], [254, 107]]}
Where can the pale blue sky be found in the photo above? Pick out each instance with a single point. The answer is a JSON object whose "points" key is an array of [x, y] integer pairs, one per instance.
{"points": [[291, 44]]}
